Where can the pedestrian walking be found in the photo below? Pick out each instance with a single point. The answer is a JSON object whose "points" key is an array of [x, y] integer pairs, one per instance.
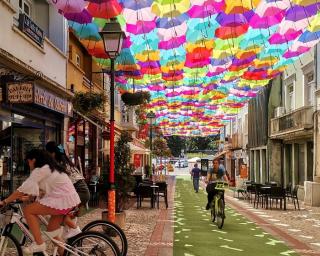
{"points": [[195, 173]]}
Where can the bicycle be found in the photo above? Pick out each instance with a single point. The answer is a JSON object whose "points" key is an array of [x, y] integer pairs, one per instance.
{"points": [[83, 244], [217, 205], [107, 228]]}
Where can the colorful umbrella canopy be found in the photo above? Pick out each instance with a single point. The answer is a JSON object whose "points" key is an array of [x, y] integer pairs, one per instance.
{"points": [[201, 60]]}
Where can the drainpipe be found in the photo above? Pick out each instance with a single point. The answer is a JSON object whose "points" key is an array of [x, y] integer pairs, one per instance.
{"points": [[315, 115]]}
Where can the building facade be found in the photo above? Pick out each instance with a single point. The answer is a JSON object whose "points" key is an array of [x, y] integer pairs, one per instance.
{"points": [[35, 104]]}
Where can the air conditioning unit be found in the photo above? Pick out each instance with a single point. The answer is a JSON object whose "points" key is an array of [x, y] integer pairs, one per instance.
{"points": [[279, 111]]}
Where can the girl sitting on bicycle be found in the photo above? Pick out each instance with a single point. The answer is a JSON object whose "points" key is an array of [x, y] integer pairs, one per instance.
{"points": [[57, 152], [55, 191]]}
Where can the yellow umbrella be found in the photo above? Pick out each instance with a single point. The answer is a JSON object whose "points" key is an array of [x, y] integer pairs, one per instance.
{"points": [[241, 6], [305, 2], [170, 9], [151, 55], [315, 24]]}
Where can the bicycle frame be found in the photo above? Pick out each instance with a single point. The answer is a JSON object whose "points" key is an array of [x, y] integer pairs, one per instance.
{"points": [[220, 186], [16, 219]]}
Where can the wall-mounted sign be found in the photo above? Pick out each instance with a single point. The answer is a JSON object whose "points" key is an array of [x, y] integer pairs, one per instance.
{"points": [[32, 93], [20, 93], [31, 29]]}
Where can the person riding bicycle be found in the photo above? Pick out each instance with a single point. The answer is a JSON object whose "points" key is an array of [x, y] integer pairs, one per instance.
{"points": [[216, 174], [56, 196]]}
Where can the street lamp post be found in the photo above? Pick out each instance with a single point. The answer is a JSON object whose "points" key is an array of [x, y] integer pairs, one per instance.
{"points": [[151, 116], [112, 36]]}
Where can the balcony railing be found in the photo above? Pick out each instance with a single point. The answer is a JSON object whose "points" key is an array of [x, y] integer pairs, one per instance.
{"points": [[128, 120], [297, 120]]}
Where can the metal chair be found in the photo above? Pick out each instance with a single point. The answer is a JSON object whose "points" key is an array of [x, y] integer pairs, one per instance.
{"points": [[163, 192]]}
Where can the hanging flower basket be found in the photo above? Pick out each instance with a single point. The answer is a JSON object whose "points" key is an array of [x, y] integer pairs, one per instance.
{"points": [[137, 98], [86, 102]]}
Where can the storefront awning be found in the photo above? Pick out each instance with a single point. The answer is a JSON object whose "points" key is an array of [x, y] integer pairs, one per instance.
{"points": [[138, 150]]}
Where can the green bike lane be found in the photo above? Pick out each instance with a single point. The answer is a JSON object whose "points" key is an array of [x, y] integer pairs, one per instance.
{"points": [[196, 235]]}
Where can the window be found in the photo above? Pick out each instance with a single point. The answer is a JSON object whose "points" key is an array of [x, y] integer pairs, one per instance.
{"points": [[309, 84], [70, 52], [78, 60], [290, 99], [24, 7]]}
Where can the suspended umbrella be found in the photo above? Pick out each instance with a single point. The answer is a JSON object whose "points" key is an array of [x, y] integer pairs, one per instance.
{"points": [[135, 5], [170, 8], [69, 6], [133, 16], [141, 27], [296, 12], [169, 33], [82, 17], [85, 31], [106, 10], [231, 32], [172, 43], [203, 9], [171, 22], [290, 35], [241, 6]]}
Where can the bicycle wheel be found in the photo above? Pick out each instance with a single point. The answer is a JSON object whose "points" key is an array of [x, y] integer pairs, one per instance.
{"points": [[92, 243], [112, 230], [9, 246], [220, 213], [213, 212]]}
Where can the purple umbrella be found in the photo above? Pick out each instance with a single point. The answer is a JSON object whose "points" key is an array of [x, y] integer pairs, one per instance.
{"points": [[172, 43], [234, 19], [169, 23], [298, 12], [133, 4], [81, 17]]}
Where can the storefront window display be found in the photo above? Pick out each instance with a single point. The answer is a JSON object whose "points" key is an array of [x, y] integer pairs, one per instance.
{"points": [[18, 134]]}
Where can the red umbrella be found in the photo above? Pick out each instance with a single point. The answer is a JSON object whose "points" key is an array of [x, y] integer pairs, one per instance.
{"points": [[231, 32], [105, 10]]}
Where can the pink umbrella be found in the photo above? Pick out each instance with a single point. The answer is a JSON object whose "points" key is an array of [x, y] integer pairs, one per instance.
{"points": [[172, 43], [141, 27], [290, 35], [267, 21], [69, 6], [290, 54]]}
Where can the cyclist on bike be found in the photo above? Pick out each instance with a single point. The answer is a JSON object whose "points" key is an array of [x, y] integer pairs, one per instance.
{"points": [[216, 174]]}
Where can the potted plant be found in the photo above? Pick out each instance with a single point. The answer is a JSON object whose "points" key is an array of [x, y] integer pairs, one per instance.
{"points": [[136, 98], [124, 181], [86, 102]]}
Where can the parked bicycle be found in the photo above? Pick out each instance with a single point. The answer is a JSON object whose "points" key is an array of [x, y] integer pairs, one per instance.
{"points": [[84, 244], [218, 205]]}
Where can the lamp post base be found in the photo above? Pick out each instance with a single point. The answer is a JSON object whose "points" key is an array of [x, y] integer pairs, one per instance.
{"points": [[112, 205]]}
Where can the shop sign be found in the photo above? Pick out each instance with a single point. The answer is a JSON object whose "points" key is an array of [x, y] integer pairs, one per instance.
{"points": [[137, 160], [31, 29], [20, 93], [49, 100], [31, 93]]}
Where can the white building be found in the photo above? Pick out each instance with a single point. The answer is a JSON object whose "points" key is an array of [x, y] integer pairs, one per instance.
{"points": [[34, 101]]}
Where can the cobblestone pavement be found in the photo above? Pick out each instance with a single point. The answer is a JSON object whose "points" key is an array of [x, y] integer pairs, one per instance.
{"points": [[141, 227]]}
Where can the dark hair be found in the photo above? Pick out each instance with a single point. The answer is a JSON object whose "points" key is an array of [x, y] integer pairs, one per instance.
{"points": [[195, 165], [216, 160], [60, 155], [42, 158]]}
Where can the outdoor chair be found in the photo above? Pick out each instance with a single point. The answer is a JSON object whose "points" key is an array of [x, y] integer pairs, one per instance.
{"points": [[278, 193], [251, 190], [163, 192], [294, 197], [289, 190], [261, 196], [145, 191]]}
